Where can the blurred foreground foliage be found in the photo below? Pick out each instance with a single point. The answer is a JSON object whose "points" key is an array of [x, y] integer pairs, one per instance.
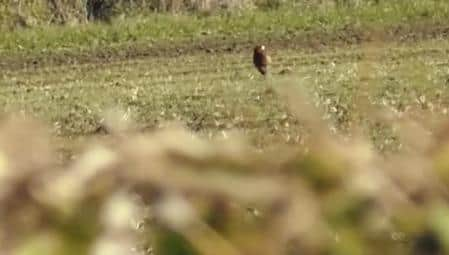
{"points": [[169, 192]]}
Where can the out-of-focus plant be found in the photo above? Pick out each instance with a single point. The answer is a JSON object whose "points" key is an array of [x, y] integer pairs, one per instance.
{"points": [[170, 192]]}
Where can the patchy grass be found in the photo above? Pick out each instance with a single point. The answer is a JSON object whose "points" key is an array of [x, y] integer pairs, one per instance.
{"points": [[285, 22], [216, 93]]}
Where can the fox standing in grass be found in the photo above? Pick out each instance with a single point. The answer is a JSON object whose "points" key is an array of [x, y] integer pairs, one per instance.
{"points": [[261, 59]]}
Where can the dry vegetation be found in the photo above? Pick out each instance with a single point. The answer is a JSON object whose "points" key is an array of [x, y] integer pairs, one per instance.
{"points": [[31, 13], [43, 12]]}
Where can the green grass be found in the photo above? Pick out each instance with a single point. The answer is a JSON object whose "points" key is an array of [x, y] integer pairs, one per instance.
{"points": [[285, 22]]}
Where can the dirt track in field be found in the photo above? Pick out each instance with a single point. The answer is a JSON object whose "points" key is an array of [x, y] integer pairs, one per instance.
{"points": [[311, 41]]}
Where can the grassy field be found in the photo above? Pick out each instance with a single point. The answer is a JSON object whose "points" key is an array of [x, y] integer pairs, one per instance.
{"points": [[214, 92], [366, 170], [286, 22]]}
